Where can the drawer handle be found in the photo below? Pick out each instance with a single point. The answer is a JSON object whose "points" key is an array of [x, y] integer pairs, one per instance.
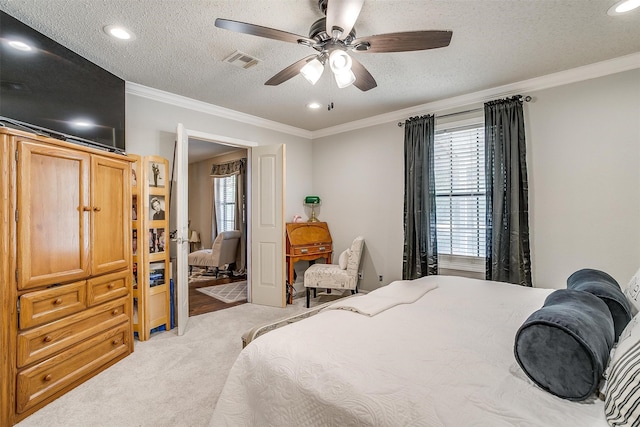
{"points": [[304, 251], [48, 338], [48, 377], [115, 311], [321, 248], [97, 209], [86, 208], [115, 342], [111, 285], [58, 301]]}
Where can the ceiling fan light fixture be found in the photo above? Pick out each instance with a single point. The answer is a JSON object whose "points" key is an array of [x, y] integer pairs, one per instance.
{"points": [[623, 6], [339, 61], [345, 79], [336, 32], [312, 71]]}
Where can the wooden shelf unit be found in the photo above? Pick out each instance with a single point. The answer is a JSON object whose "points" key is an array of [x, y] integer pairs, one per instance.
{"points": [[152, 296]]}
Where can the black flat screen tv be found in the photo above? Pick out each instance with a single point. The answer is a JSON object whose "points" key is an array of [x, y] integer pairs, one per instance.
{"points": [[49, 89]]}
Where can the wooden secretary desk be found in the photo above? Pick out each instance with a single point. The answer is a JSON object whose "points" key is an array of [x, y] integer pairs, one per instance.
{"points": [[306, 241]]}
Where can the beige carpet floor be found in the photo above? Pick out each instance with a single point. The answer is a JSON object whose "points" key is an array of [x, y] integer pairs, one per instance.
{"points": [[169, 380]]}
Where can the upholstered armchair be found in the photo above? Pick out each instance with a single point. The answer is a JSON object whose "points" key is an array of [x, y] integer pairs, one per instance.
{"points": [[223, 251], [341, 276]]}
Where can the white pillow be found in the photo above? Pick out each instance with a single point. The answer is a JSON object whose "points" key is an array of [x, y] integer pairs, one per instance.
{"points": [[632, 292], [343, 260], [622, 401]]}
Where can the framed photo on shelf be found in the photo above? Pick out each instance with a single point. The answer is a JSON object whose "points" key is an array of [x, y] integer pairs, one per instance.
{"points": [[156, 174], [156, 208], [134, 242], [157, 240], [134, 174], [135, 274], [134, 206]]}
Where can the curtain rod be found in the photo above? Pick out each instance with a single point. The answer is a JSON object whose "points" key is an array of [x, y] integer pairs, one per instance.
{"points": [[525, 99]]}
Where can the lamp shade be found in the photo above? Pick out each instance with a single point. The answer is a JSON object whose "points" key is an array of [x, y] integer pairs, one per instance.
{"points": [[312, 200], [339, 61], [195, 237], [312, 71], [345, 79]]}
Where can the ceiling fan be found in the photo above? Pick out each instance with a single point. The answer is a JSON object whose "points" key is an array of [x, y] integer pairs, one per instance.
{"points": [[332, 37]]}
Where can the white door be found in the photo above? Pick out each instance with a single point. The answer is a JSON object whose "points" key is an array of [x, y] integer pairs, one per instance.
{"points": [[182, 225], [267, 226]]}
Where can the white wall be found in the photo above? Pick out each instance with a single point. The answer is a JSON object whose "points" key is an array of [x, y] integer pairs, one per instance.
{"points": [[359, 176], [584, 170], [583, 154], [151, 129]]}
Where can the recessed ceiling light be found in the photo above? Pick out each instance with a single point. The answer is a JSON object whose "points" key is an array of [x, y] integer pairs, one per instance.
{"points": [[313, 105], [20, 46], [119, 32], [623, 6]]}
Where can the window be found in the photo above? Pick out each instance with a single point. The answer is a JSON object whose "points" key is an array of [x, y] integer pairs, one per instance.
{"points": [[225, 201], [460, 191]]}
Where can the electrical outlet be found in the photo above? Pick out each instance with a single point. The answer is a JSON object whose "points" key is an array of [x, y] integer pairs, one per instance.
{"points": [[380, 278], [360, 275]]}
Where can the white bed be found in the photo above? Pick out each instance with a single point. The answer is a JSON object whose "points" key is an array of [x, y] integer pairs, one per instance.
{"points": [[445, 360]]}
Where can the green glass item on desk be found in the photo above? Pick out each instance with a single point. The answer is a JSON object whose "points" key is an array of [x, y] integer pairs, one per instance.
{"points": [[312, 200]]}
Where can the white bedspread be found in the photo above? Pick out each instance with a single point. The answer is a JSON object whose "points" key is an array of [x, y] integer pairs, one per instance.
{"points": [[445, 360]]}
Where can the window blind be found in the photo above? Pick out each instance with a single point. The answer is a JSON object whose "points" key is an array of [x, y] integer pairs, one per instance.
{"points": [[225, 201], [460, 191]]}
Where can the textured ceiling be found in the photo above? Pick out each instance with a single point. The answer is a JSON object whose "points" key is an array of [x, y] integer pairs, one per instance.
{"points": [[178, 49]]}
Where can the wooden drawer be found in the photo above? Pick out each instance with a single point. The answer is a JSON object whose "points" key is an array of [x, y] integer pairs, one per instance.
{"points": [[107, 287], [47, 340], [58, 374], [311, 250], [39, 307]]}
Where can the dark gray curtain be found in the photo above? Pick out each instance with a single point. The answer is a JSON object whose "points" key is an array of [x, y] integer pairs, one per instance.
{"points": [[508, 253], [420, 246]]}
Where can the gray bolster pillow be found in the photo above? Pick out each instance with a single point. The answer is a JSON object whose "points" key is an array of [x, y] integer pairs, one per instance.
{"points": [[606, 288], [564, 346], [590, 274]]}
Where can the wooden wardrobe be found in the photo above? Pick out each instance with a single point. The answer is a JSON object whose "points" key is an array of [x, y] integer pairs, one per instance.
{"points": [[65, 268]]}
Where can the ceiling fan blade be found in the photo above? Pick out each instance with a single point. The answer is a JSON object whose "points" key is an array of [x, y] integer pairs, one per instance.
{"points": [[364, 79], [404, 41], [343, 14], [289, 72], [257, 30]]}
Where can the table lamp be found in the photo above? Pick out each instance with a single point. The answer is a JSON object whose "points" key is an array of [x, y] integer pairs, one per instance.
{"points": [[194, 239], [312, 201]]}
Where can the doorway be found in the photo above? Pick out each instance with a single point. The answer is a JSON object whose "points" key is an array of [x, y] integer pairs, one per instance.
{"points": [[202, 191], [265, 221]]}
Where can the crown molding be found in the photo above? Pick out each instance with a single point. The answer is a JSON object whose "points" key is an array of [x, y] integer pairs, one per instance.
{"points": [[591, 71], [203, 107]]}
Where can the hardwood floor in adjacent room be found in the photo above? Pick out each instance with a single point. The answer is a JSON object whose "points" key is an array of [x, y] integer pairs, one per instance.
{"points": [[200, 303]]}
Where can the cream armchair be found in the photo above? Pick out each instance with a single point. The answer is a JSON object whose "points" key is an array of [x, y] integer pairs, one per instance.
{"points": [[223, 251], [341, 276]]}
